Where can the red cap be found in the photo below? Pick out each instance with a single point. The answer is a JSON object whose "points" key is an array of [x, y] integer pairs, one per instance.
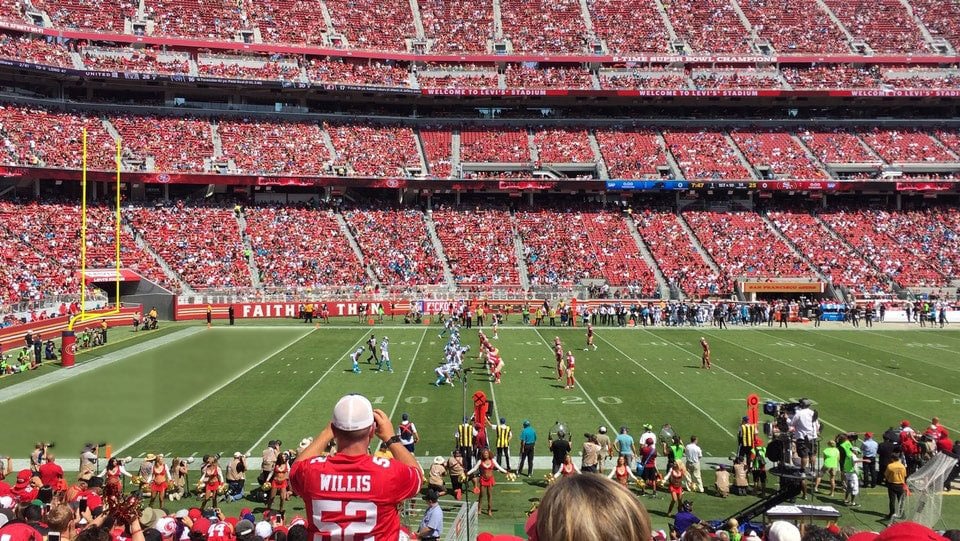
{"points": [[201, 525], [298, 520], [904, 423], [833, 528], [863, 536], [868, 434], [194, 513], [245, 511], [23, 476], [909, 531], [487, 536]]}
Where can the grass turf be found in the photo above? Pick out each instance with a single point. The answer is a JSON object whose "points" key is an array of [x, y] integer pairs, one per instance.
{"points": [[231, 389]]}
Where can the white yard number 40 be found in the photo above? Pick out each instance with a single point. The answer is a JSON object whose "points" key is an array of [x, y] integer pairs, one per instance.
{"points": [[361, 515]]}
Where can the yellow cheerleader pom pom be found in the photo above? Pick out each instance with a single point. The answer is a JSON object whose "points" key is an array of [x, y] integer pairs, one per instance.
{"points": [[265, 487]]}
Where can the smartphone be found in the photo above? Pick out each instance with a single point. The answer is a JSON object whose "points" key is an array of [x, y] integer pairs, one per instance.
{"points": [[83, 505], [53, 536]]}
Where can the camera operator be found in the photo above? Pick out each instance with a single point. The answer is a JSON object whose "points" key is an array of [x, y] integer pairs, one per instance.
{"points": [[89, 459], [236, 476], [805, 426], [39, 450], [270, 455]]}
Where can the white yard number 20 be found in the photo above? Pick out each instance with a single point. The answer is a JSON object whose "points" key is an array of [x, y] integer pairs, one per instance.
{"points": [[358, 526]]}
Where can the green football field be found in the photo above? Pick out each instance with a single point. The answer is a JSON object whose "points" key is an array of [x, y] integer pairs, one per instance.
{"points": [[192, 391]]}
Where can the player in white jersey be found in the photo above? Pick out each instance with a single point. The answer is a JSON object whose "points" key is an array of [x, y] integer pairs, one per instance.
{"points": [[355, 357], [385, 355]]}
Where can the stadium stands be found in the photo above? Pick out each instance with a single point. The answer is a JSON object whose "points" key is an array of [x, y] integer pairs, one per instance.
{"points": [[22, 47], [478, 243], [298, 247], [357, 73], [885, 25], [47, 246], [704, 155], [631, 152], [438, 147], [396, 245], [565, 145], [457, 26], [555, 26], [778, 154], [942, 19], [645, 33], [907, 145], [736, 78], [643, 79], [212, 19], [708, 25], [559, 77], [832, 257], [47, 138], [108, 16], [832, 77], [837, 146], [382, 151], [175, 144], [287, 21], [743, 246], [874, 234], [248, 67], [931, 234], [274, 147], [126, 60], [794, 26], [373, 24], [492, 145], [201, 244], [464, 79], [564, 246], [676, 256]]}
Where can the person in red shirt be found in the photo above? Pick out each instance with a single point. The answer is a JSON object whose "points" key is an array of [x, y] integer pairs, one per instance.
{"points": [[351, 495], [52, 474], [705, 359]]}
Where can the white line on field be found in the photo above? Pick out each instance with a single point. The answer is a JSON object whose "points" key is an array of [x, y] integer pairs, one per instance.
{"points": [[186, 408], [610, 425], [403, 385], [668, 386], [875, 399], [308, 391], [748, 382], [898, 354]]}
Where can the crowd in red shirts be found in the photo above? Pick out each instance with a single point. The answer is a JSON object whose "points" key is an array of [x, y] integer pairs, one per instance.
{"points": [[675, 254], [301, 247]]}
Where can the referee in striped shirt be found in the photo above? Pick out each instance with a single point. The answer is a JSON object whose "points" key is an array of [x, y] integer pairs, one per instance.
{"points": [[746, 437], [504, 435]]}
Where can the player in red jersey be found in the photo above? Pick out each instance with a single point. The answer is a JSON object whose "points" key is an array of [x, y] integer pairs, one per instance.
{"points": [[350, 495], [571, 365], [590, 343], [705, 359], [558, 354]]}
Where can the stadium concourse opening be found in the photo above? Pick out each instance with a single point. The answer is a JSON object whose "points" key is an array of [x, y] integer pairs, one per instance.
{"points": [[648, 221]]}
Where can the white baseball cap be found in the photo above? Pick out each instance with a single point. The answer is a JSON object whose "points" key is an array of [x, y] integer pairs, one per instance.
{"points": [[783, 531], [264, 529], [353, 412]]}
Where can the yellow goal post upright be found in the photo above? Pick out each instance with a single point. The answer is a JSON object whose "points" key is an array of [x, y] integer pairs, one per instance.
{"points": [[68, 344]]}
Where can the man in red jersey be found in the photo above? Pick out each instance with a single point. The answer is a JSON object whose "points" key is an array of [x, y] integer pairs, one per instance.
{"points": [[351, 495]]}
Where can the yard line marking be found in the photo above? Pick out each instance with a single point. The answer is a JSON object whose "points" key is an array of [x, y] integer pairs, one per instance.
{"points": [[580, 386], [333, 365], [668, 386], [748, 382], [875, 399], [186, 408], [880, 369], [407, 376]]}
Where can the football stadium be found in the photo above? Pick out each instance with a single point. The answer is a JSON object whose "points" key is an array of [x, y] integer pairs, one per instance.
{"points": [[279, 270]]}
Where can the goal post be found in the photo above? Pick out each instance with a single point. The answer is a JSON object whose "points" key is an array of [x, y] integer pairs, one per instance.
{"points": [[68, 337]]}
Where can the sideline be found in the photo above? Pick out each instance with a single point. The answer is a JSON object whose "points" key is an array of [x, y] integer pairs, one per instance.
{"points": [[46, 380]]}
